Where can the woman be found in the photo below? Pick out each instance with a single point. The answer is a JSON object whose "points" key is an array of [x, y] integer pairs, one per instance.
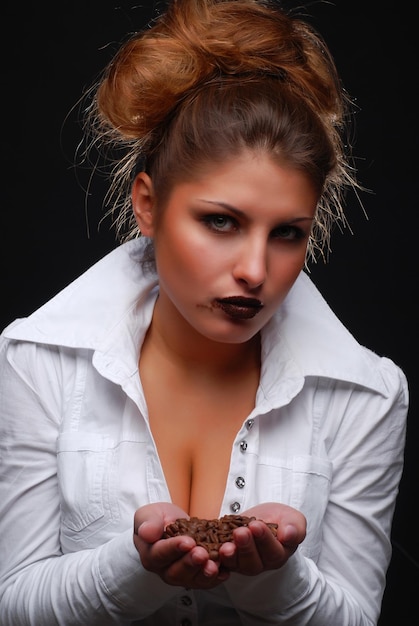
{"points": [[196, 371]]}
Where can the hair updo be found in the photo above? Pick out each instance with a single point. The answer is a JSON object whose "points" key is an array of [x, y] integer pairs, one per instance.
{"points": [[208, 78]]}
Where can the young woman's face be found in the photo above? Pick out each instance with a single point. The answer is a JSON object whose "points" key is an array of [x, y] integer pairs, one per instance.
{"points": [[230, 245]]}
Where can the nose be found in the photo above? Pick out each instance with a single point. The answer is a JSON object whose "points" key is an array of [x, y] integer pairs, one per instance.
{"points": [[251, 263]]}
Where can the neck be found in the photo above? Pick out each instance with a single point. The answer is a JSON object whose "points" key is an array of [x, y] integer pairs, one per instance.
{"points": [[179, 342]]}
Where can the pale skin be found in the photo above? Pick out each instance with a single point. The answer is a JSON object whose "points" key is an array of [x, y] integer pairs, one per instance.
{"points": [[239, 230]]}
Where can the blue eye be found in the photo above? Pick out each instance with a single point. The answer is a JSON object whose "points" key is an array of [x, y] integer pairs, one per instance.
{"points": [[219, 222], [288, 232]]}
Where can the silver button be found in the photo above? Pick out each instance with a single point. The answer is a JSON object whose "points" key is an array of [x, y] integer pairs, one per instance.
{"points": [[240, 482], [249, 424], [243, 445], [235, 507], [186, 600]]}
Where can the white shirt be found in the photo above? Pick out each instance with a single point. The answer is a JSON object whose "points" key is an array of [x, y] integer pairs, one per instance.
{"points": [[77, 458]]}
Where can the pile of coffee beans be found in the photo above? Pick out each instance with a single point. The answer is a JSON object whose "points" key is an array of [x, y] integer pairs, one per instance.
{"points": [[210, 534]]}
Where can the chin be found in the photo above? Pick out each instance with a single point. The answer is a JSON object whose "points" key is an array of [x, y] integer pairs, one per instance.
{"points": [[236, 333]]}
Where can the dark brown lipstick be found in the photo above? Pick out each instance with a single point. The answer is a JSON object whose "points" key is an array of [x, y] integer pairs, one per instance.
{"points": [[238, 307]]}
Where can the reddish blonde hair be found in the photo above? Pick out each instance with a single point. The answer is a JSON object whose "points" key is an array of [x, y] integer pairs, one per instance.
{"points": [[208, 78]]}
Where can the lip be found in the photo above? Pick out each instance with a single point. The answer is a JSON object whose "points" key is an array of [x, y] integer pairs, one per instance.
{"points": [[239, 307]]}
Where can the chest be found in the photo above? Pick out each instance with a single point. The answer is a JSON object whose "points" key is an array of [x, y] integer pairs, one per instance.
{"points": [[107, 468], [194, 429]]}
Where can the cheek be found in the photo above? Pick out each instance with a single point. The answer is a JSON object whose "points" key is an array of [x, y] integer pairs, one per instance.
{"points": [[182, 260], [287, 264], [284, 271], [190, 250]]}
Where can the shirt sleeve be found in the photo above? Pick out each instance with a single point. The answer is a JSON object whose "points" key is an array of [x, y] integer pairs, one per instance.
{"points": [[39, 584], [363, 433]]}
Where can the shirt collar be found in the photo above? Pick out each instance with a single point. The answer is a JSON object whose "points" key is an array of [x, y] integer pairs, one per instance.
{"points": [[87, 312], [108, 309], [306, 332]]}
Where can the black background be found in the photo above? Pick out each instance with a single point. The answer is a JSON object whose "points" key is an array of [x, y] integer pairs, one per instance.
{"points": [[50, 230]]}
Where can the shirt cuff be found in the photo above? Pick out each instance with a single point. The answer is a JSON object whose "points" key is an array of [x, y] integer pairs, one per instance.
{"points": [[125, 581]]}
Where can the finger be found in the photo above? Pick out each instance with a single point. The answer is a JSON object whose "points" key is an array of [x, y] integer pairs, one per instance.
{"points": [[162, 554], [194, 570], [290, 537], [154, 518], [150, 530], [228, 555], [248, 558], [272, 553], [284, 516]]}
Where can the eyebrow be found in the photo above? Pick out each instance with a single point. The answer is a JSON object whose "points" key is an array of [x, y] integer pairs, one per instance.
{"points": [[239, 213]]}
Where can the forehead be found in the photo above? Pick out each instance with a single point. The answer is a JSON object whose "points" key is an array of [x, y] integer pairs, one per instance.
{"points": [[249, 181]]}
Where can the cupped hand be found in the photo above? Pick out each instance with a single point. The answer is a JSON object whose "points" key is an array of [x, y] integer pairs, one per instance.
{"points": [[177, 560], [255, 549]]}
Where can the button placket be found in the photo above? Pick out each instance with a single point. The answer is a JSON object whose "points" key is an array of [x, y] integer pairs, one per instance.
{"points": [[186, 610], [243, 443], [240, 481]]}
